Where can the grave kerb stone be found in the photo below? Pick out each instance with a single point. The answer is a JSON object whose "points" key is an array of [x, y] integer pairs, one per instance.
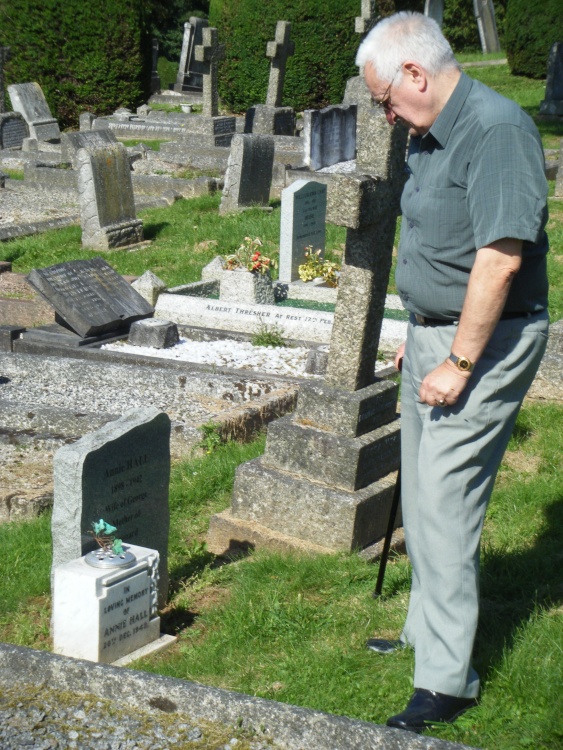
{"points": [[209, 53], [278, 51], [120, 473], [89, 296], [302, 225]]}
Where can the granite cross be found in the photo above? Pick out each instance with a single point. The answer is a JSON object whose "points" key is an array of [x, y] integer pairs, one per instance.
{"points": [[364, 22], [278, 51], [209, 53]]}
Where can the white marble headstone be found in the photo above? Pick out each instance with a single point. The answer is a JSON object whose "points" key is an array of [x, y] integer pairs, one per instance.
{"points": [[303, 223]]}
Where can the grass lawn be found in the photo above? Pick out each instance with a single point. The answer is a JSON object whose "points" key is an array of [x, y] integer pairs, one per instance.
{"points": [[292, 628]]}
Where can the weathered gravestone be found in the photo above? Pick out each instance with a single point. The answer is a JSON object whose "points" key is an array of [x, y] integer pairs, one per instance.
{"points": [[13, 130], [106, 614], [434, 9], [487, 26], [363, 23], [324, 479], [155, 78], [89, 298], [208, 53], [190, 71], [553, 102], [28, 99], [249, 173], [107, 203], [302, 225], [119, 473], [329, 135]]}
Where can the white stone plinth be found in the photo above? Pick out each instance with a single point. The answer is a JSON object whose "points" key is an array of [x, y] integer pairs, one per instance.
{"points": [[104, 614]]}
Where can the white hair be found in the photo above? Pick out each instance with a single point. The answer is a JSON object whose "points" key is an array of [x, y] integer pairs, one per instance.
{"points": [[403, 37]]}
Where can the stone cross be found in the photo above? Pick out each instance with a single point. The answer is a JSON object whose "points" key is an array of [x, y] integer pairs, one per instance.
{"points": [[4, 57], [209, 53], [485, 15], [364, 22], [435, 9], [278, 51]]}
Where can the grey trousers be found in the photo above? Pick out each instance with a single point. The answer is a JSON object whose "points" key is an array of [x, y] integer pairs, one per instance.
{"points": [[450, 457]]}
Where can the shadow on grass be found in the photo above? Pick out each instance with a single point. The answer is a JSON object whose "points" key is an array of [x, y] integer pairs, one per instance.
{"points": [[514, 584], [151, 231]]}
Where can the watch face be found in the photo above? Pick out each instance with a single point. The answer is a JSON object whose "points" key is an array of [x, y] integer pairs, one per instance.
{"points": [[464, 364]]}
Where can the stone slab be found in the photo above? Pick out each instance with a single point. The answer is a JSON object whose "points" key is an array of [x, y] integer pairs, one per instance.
{"points": [[90, 139], [301, 509], [154, 647], [103, 615], [288, 727], [348, 413], [90, 296], [336, 460], [119, 473]]}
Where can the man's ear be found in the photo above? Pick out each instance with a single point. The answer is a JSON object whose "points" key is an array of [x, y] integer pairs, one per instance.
{"points": [[415, 74]]}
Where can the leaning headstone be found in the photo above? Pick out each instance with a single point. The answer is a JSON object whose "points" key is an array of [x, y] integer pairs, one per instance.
{"points": [[89, 296], [107, 203], [487, 26], [102, 614], [249, 173], [435, 9], [13, 130], [553, 102], [154, 333], [5, 55], [28, 99], [329, 135], [119, 473], [278, 51], [208, 53], [302, 225]]}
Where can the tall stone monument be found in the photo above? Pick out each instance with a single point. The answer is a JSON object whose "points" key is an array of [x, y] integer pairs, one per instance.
{"points": [[4, 57], [486, 23], [208, 53], [189, 76], [553, 102], [434, 9], [325, 481]]}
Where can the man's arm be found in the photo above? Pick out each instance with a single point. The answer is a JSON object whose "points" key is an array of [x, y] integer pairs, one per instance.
{"points": [[489, 282]]}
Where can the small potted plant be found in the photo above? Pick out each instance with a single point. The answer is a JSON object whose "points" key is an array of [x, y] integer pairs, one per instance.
{"points": [[110, 552], [318, 269], [246, 276]]}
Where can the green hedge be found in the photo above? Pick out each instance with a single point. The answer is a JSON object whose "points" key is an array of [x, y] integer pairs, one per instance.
{"points": [[85, 55], [325, 47], [530, 35]]}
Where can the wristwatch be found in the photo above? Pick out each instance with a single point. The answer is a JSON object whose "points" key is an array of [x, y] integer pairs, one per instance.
{"points": [[462, 363]]}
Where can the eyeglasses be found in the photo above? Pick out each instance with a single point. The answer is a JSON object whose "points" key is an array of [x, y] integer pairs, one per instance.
{"points": [[384, 104]]}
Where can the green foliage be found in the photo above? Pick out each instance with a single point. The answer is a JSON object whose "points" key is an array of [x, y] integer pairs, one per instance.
{"points": [[85, 56], [211, 439], [325, 47], [268, 335], [529, 35]]}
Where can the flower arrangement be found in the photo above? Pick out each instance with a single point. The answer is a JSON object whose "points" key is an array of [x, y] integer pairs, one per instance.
{"points": [[249, 257], [316, 267], [104, 535]]}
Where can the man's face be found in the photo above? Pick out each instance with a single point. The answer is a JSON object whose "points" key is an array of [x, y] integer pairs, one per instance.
{"points": [[400, 101]]}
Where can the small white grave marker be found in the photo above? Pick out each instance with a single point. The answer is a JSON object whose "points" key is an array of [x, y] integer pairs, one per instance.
{"points": [[303, 223]]}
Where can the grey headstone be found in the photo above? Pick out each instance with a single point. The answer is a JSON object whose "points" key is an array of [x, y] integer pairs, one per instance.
{"points": [[486, 23], [155, 78], [155, 333], [303, 223], [278, 51], [268, 120], [89, 139], [553, 102], [190, 71], [13, 130], [249, 173], [329, 135], [435, 9], [208, 54], [85, 121], [28, 99], [107, 203], [120, 473], [89, 296]]}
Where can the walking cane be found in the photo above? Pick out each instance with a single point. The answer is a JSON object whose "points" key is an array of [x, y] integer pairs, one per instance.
{"points": [[388, 535]]}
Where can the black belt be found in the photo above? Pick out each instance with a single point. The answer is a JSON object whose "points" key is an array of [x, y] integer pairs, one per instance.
{"points": [[423, 321]]}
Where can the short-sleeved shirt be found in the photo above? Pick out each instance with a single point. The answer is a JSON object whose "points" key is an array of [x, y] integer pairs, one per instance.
{"points": [[477, 176]]}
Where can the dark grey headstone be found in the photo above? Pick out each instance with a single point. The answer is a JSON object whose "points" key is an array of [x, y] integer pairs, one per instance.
{"points": [[329, 135], [553, 102], [89, 296], [13, 130], [120, 473], [249, 172]]}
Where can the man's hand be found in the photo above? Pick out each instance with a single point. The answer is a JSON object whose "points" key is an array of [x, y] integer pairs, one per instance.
{"points": [[398, 361], [443, 386]]}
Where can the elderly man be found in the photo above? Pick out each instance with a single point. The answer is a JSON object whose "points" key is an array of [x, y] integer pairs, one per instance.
{"points": [[471, 270]]}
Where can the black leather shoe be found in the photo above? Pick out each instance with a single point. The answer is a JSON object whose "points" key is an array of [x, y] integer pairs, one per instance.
{"points": [[427, 707], [384, 647]]}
